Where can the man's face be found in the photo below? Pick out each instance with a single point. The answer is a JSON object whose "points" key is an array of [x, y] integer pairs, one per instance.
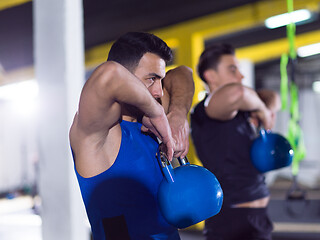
{"points": [[228, 71], [151, 71]]}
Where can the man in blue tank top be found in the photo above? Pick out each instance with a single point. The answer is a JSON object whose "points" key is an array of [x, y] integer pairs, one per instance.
{"points": [[222, 128], [127, 104]]}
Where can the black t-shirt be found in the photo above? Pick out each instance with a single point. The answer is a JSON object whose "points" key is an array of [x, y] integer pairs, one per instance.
{"points": [[224, 148]]}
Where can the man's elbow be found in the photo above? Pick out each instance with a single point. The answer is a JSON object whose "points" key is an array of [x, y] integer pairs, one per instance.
{"points": [[186, 69], [234, 94]]}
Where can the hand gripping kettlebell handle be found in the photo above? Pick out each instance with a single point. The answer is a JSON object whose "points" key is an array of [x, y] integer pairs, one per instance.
{"points": [[166, 166], [164, 160]]}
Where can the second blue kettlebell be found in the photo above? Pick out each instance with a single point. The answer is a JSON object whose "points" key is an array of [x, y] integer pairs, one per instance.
{"points": [[270, 151]]}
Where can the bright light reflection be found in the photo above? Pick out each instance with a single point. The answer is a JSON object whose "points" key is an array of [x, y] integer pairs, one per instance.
{"points": [[316, 86], [22, 96], [309, 50], [20, 91], [14, 205], [286, 18], [21, 220], [10, 212], [25, 108]]}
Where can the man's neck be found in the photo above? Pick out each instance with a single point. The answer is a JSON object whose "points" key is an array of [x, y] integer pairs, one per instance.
{"points": [[129, 118]]}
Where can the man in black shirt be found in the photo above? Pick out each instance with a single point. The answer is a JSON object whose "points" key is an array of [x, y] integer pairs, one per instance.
{"points": [[223, 128]]}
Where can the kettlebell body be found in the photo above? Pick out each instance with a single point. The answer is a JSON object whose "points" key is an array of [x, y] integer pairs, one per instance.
{"points": [[189, 194], [271, 151]]}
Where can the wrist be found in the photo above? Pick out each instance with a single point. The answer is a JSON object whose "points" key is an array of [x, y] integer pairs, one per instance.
{"points": [[156, 110], [179, 111]]}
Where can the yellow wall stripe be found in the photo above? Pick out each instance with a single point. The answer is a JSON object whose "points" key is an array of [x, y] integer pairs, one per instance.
{"points": [[273, 49], [11, 3], [214, 25]]}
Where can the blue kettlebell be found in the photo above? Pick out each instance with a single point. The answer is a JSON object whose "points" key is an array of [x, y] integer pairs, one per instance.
{"points": [[188, 194], [270, 151]]}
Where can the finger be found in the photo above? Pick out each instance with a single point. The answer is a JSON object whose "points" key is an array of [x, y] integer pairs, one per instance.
{"points": [[144, 129], [178, 147], [169, 148], [182, 150], [151, 130], [186, 149], [169, 153], [177, 154], [267, 125]]}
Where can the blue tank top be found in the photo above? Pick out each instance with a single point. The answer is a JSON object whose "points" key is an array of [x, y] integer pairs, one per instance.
{"points": [[121, 203]]}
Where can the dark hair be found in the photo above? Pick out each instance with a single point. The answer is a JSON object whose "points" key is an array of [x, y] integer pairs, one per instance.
{"points": [[210, 57], [130, 48]]}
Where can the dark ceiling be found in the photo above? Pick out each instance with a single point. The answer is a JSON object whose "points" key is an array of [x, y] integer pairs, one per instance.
{"points": [[103, 21], [106, 20]]}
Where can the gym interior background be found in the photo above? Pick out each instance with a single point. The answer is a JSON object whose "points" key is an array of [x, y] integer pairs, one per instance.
{"points": [[49, 48]]}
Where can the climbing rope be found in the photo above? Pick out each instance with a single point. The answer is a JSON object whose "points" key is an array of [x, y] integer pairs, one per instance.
{"points": [[295, 135]]}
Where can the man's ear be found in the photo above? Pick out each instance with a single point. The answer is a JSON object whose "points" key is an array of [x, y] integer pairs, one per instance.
{"points": [[210, 75]]}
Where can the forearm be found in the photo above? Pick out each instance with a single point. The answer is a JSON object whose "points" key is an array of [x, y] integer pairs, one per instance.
{"points": [[177, 100], [125, 88], [270, 98], [225, 103], [250, 101], [179, 90]]}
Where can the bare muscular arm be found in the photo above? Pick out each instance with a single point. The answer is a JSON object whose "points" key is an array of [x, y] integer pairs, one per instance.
{"points": [[178, 93], [109, 86], [100, 110], [224, 103]]}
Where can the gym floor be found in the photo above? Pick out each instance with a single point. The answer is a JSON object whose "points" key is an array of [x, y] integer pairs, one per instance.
{"points": [[18, 220]]}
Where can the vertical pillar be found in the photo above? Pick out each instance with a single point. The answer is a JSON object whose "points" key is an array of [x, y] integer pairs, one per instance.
{"points": [[247, 70], [59, 62]]}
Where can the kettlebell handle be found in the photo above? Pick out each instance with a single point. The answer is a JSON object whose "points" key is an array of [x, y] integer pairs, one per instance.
{"points": [[262, 131], [166, 166]]}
